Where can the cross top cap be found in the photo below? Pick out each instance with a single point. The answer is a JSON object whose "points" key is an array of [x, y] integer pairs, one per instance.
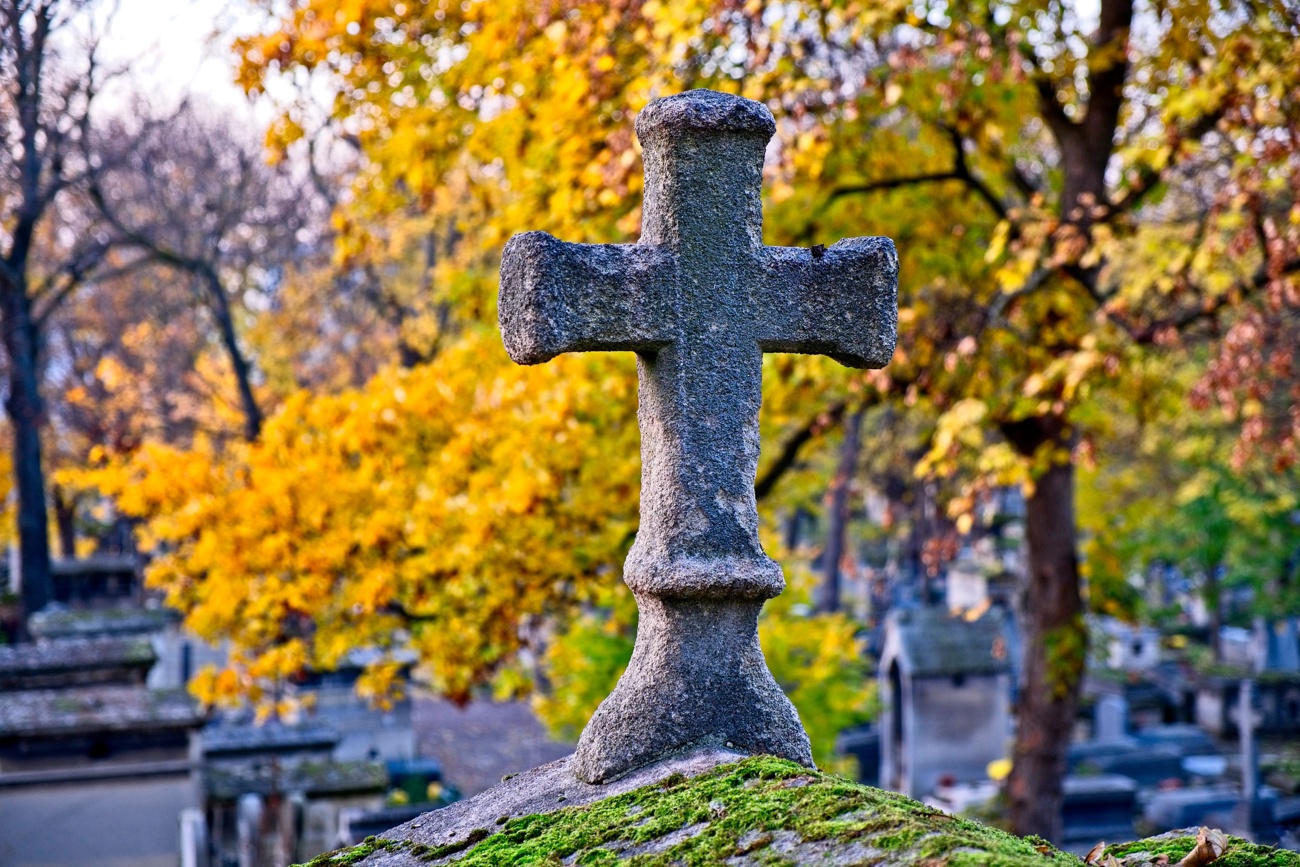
{"points": [[705, 111]]}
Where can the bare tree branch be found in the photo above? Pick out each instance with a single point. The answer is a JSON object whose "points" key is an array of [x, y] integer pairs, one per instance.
{"points": [[789, 453], [895, 183]]}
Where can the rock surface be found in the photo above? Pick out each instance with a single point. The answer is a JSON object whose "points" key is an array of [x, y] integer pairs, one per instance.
{"points": [[542, 790], [756, 811]]}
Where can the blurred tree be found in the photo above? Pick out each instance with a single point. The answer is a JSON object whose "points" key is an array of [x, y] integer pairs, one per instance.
{"points": [[103, 379], [1168, 495], [50, 79], [195, 197], [1109, 179], [467, 499]]}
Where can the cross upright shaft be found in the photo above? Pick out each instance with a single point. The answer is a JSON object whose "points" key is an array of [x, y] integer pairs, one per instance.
{"points": [[699, 299]]}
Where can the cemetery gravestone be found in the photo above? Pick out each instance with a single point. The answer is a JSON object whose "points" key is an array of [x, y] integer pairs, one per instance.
{"points": [[945, 688], [699, 299], [1110, 718]]}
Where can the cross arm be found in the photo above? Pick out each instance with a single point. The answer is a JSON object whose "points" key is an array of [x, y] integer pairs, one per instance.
{"points": [[840, 301], [559, 297]]}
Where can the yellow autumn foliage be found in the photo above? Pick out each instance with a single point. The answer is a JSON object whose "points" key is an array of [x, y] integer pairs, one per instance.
{"points": [[434, 514]]}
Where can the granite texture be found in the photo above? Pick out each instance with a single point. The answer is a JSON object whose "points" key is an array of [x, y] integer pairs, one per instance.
{"points": [[699, 299]]}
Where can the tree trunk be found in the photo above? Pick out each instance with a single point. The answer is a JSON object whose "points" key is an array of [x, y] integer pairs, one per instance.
{"points": [[65, 519], [1055, 639], [238, 362], [828, 591], [1214, 607], [921, 534], [26, 414]]}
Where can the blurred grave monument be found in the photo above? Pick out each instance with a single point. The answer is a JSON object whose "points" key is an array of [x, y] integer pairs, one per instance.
{"points": [[945, 687], [86, 747]]}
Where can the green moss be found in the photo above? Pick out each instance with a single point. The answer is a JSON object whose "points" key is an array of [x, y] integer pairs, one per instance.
{"points": [[433, 853], [355, 854], [1239, 853], [752, 809], [742, 809]]}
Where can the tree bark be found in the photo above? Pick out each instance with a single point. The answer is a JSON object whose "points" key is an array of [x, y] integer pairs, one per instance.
{"points": [[828, 591], [26, 413], [238, 362], [65, 519], [1214, 607], [1055, 639]]}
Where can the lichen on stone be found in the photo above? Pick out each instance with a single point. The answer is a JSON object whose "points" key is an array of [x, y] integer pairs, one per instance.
{"points": [[354, 854]]}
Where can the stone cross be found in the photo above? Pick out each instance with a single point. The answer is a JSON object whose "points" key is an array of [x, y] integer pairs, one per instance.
{"points": [[699, 299]]}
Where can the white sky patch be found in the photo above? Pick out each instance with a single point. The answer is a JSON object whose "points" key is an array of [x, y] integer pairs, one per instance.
{"points": [[179, 49]]}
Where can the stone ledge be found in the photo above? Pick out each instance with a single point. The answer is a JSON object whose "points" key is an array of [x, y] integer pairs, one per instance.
{"points": [[752, 812], [543, 790]]}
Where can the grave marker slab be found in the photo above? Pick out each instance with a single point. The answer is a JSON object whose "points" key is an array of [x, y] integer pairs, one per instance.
{"points": [[699, 299]]}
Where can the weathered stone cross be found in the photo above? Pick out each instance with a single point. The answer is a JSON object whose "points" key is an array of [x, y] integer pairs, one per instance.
{"points": [[699, 299]]}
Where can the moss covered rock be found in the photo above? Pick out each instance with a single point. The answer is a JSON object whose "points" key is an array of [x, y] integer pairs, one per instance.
{"points": [[757, 811]]}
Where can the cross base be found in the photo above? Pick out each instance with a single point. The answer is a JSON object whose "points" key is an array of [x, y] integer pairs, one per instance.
{"points": [[697, 678]]}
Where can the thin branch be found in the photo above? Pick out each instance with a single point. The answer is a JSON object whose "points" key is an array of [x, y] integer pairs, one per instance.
{"points": [[789, 453], [1022, 181], [896, 183], [963, 171], [1211, 308], [1148, 177], [61, 294], [1053, 112], [1029, 287], [960, 171]]}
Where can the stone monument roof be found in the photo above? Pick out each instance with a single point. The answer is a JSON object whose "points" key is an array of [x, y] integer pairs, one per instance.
{"points": [[99, 564], [94, 709], [124, 620], [229, 740], [309, 777], [934, 643], [74, 661]]}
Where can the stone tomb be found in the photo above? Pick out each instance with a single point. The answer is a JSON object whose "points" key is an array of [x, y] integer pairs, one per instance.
{"points": [[94, 766], [661, 764], [945, 688], [699, 299]]}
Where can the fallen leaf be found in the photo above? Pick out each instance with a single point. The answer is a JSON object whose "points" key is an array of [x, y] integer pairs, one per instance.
{"points": [[1210, 845]]}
